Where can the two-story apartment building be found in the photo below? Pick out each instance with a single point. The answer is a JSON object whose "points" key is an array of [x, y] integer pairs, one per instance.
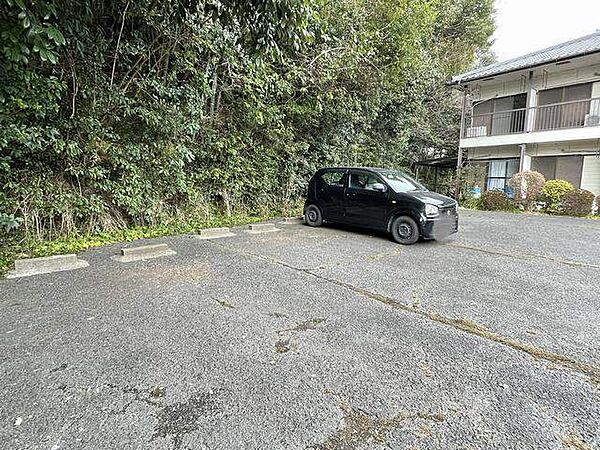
{"points": [[537, 112]]}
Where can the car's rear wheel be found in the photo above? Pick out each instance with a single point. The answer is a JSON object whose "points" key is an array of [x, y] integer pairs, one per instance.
{"points": [[405, 230], [313, 216]]}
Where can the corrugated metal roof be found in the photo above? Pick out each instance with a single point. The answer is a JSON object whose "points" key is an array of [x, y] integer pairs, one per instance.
{"points": [[577, 47]]}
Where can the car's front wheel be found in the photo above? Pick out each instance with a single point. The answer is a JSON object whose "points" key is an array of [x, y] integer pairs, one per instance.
{"points": [[405, 230], [313, 216]]}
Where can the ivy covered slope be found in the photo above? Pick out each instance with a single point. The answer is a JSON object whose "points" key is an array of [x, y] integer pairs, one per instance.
{"points": [[117, 114]]}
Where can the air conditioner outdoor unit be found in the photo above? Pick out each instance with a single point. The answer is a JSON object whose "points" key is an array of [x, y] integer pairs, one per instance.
{"points": [[591, 120], [476, 131]]}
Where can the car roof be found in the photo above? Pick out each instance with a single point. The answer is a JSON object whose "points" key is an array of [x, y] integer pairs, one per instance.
{"points": [[372, 169]]}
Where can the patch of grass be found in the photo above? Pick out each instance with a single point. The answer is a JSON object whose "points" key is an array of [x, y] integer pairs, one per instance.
{"points": [[282, 346], [76, 242], [224, 303], [361, 429], [305, 326], [573, 441]]}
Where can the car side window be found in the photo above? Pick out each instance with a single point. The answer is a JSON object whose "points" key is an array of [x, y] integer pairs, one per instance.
{"points": [[363, 180], [334, 178]]}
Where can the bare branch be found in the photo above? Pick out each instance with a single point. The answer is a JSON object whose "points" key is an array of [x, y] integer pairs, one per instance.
{"points": [[112, 75]]}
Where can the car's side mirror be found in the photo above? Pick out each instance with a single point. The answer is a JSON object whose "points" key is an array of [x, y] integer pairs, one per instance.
{"points": [[380, 187]]}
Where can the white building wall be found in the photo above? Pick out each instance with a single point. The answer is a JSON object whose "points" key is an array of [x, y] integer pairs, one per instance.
{"points": [[590, 177], [536, 137], [564, 148], [591, 148], [508, 151], [567, 77], [504, 89], [543, 78], [584, 141]]}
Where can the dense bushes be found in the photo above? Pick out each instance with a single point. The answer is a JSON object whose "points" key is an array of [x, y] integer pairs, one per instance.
{"points": [[494, 201], [578, 203], [554, 197], [117, 114], [553, 193], [526, 186]]}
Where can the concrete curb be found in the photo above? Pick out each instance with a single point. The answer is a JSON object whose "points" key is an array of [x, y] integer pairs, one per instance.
{"points": [[214, 233], [130, 254], [259, 228], [292, 220], [48, 264]]}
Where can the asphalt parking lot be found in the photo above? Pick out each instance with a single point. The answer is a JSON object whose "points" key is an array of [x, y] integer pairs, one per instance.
{"points": [[308, 338]]}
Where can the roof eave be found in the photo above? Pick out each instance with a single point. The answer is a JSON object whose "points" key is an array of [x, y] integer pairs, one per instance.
{"points": [[456, 81]]}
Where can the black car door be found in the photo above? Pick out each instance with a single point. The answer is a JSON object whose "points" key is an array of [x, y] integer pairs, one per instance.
{"points": [[330, 191], [363, 203]]}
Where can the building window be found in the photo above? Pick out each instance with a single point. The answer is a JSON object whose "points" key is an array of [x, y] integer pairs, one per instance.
{"points": [[564, 107], [500, 116], [499, 172], [567, 168]]}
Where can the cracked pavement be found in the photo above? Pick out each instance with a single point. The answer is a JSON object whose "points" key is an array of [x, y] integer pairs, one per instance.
{"points": [[326, 338]]}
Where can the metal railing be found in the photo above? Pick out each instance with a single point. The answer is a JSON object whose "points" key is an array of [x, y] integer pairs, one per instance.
{"points": [[556, 116]]}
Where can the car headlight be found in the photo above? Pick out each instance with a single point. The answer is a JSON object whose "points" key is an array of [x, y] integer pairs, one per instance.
{"points": [[431, 210]]}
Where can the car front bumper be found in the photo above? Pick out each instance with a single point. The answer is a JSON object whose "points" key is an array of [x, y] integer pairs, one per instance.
{"points": [[440, 227]]}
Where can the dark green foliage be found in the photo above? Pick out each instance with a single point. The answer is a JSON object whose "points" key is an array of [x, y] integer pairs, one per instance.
{"points": [[494, 201], [578, 202], [472, 202], [133, 113], [554, 192]]}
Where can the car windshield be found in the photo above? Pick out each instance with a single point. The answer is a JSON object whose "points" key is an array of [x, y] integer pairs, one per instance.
{"points": [[400, 182]]}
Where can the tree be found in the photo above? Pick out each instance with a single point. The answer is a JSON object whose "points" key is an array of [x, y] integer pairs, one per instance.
{"points": [[125, 112]]}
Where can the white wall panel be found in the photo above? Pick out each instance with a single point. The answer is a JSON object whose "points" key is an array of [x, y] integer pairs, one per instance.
{"points": [[590, 178]]}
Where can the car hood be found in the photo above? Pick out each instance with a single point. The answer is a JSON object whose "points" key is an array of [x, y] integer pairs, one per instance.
{"points": [[432, 198]]}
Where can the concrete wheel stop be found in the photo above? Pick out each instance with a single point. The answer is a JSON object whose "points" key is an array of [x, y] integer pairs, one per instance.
{"points": [[292, 220], [48, 264], [258, 228], [130, 254], [215, 233]]}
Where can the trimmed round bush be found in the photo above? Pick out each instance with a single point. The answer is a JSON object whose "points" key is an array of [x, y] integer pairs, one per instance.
{"points": [[494, 201], [527, 186], [553, 192], [578, 203]]}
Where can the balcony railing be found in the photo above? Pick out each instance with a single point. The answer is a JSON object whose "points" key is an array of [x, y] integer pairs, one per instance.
{"points": [[557, 116]]}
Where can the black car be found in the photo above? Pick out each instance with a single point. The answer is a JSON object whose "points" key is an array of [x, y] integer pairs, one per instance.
{"points": [[382, 199]]}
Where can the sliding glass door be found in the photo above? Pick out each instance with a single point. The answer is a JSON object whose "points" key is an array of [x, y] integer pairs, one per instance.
{"points": [[564, 107]]}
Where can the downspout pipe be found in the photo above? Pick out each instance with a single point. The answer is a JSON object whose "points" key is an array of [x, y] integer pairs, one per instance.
{"points": [[459, 159]]}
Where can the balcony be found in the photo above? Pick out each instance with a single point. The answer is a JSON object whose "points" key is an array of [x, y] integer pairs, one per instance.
{"points": [[543, 118]]}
